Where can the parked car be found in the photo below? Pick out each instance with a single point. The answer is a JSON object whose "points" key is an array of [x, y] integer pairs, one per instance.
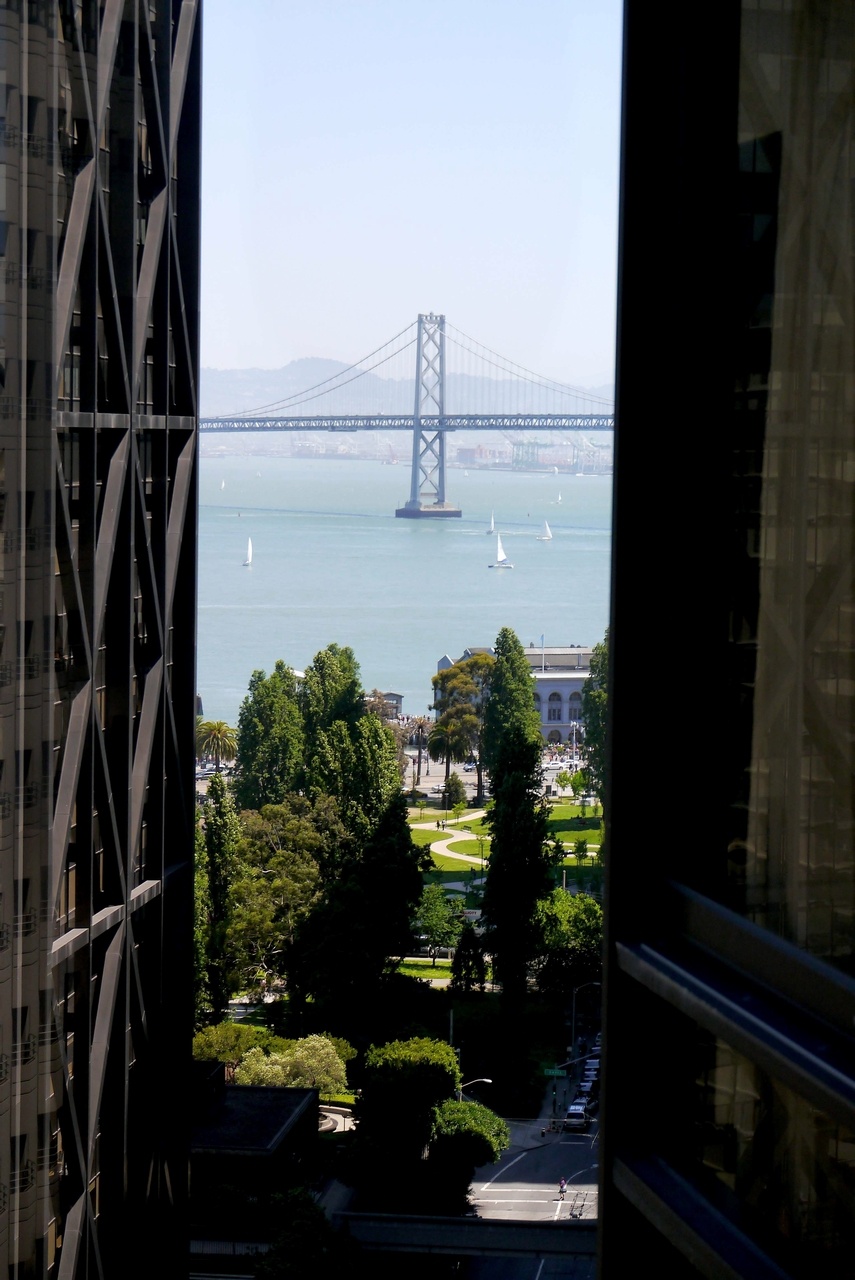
{"points": [[469, 767], [577, 1118]]}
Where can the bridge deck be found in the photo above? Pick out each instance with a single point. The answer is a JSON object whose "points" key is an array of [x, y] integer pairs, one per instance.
{"points": [[407, 422]]}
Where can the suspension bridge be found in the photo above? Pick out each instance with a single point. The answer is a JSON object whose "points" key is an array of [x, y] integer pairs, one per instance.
{"points": [[451, 369]]}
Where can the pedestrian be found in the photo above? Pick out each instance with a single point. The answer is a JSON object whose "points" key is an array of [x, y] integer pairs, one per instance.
{"points": [[562, 1188]]}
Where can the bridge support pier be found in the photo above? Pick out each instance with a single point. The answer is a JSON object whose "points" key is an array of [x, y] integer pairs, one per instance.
{"points": [[427, 479]]}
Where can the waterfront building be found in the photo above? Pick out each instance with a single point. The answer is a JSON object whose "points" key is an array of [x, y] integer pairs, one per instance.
{"points": [[99, 178], [728, 1118], [559, 675]]}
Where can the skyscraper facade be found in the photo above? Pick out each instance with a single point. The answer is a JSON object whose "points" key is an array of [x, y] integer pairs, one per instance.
{"points": [[729, 1081], [99, 196]]}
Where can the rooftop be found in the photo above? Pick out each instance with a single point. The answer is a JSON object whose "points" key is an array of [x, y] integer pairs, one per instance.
{"points": [[251, 1119]]}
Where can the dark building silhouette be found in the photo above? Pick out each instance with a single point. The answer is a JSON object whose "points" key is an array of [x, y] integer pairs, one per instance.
{"points": [[729, 1059], [99, 193]]}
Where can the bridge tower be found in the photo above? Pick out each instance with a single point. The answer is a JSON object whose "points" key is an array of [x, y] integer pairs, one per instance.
{"points": [[427, 480]]}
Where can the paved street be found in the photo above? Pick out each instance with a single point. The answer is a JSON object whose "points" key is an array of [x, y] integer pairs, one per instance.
{"points": [[523, 1186]]}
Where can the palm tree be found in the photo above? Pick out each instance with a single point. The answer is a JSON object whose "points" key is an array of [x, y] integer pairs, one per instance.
{"points": [[448, 740], [419, 724], [216, 738]]}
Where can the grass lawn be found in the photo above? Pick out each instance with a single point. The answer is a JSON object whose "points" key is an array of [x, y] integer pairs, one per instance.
{"points": [[470, 847], [425, 968], [442, 863], [424, 837], [457, 874]]}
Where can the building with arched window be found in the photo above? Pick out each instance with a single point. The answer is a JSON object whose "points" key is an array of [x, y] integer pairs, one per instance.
{"points": [[559, 675]]}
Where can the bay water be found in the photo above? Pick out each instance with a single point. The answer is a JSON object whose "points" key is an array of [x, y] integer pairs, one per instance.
{"points": [[331, 563]]}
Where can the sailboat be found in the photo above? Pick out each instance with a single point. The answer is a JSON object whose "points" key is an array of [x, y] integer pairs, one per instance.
{"points": [[247, 564], [559, 497], [222, 484], [502, 561], [492, 528], [546, 536]]}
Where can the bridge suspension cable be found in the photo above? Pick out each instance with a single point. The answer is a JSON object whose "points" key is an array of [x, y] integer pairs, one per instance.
{"points": [[510, 366], [304, 396]]}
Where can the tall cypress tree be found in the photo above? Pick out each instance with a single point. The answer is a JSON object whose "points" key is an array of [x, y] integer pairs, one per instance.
{"points": [[510, 705], [518, 875], [222, 834]]}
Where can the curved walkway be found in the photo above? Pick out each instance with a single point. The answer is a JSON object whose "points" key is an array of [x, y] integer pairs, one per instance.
{"points": [[442, 845]]}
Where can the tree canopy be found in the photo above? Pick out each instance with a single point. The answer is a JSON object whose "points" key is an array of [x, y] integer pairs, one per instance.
{"points": [[461, 695], [521, 858], [222, 835], [572, 927], [216, 738], [277, 882], [269, 755], [419, 1078], [330, 692], [438, 920], [510, 705], [595, 703], [310, 1063]]}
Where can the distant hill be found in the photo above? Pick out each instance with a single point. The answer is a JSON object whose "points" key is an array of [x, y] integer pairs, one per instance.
{"points": [[232, 391]]}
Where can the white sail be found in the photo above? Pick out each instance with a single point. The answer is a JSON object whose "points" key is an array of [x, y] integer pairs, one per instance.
{"points": [[502, 561], [559, 497], [546, 536], [492, 528], [248, 561], [222, 484]]}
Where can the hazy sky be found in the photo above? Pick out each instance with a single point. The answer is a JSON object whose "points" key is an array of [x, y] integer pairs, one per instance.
{"points": [[365, 160]]}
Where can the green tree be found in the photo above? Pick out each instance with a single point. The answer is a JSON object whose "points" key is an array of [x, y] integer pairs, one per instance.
{"points": [[595, 702], [465, 1136], [455, 794], [448, 739], [201, 927], [361, 926], [357, 763], [438, 920], [572, 929], [406, 1078], [310, 1063], [510, 706], [216, 738], [222, 837], [277, 883], [269, 755], [563, 779], [579, 783], [331, 692], [468, 968], [521, 859], [420, 1078], [419, 726], [228, 1042], [462, 692]]}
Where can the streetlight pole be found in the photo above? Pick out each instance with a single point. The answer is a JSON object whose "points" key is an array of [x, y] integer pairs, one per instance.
{"points": [[477, 1080], [575, 989]]}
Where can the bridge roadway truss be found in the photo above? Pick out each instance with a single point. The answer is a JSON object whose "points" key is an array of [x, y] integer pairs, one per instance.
{"points": [[408, 422]]}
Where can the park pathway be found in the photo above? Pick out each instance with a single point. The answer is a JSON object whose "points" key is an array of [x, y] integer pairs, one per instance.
{"points": [[442, 845]]}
